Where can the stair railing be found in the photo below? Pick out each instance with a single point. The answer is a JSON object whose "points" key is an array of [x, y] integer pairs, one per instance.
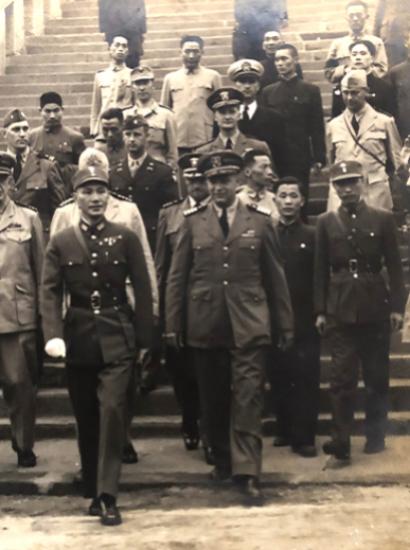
{"points": [[20, 18]]}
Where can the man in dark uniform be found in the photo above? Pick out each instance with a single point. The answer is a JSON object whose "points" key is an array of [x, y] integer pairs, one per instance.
{"points": [[111, 141], [179, 362], [300, 105], [257, 121], [21, 257], [226, 284], [57, 140], [92, 261], [355, 306], [272, 41], [124, 18], [38, 179], [295, 373], [146, 181]]}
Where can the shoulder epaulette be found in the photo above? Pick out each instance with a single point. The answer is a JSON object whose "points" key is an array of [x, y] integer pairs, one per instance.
{"points": [[256, 208], [165, 107], [66, 202], [120, 197], [194, 210], [172, 203], [33, 208]]}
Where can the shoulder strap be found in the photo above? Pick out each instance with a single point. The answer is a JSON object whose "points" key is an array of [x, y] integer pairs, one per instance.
{"points": [[362, 147]]}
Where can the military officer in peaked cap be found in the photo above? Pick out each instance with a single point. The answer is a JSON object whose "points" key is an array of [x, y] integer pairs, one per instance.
{"points": [[92, 261], [226, 284], [179, 362], [146, 181], [21, 257], [38, 180], [355, 306]]}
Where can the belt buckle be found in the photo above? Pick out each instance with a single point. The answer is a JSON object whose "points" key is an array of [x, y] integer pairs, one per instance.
{"points": [[95, 301], [354, 267]]}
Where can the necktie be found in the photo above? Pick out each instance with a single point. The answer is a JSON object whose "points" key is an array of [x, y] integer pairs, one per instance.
{"points": [[355, 124], [133, 167], [228, 144], [223, 221], [19, 166], [245, 115]]}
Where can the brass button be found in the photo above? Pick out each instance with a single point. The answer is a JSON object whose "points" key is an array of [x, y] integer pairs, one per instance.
{"points": [[225, 283], [94, 274]]}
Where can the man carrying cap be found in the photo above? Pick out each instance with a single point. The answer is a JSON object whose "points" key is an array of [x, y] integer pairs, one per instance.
{"points": [[179, 362], [162, 137], [257, 121], [92, 260], [371, 138], [21, 257], [38, 181], [225, 286], [55, 139], [355, 306]]}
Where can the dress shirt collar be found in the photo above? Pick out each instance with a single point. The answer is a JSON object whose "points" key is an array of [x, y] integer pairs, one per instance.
{"points": [[233, 138], [251, 108], [24, 154], [147, 108], [360, 114], [191, 71], [230, 211], [254, 194], [192, 202], [116, 68], [136, 164]]}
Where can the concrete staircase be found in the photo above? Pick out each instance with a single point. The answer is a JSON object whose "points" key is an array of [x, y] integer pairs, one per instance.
{"points": [[65, 59]]}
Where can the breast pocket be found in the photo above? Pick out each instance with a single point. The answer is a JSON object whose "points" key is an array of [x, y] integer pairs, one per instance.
{"points": [[18, 236], [249, 244], [202, 91], [73, 268]]}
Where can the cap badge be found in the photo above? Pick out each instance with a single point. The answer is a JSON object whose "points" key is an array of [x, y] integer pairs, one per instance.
{"points": [[216, 161], [246, 66], [194, 162], [225, 95]]}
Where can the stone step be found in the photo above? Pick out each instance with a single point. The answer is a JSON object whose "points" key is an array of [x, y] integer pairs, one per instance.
{"points": [[29, 102], [69, 77], [13, 92], [70, 110], [57, 39]]}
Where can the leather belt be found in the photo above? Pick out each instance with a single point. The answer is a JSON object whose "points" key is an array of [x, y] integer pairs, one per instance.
{"points": [[355, 266], [96, 302]]}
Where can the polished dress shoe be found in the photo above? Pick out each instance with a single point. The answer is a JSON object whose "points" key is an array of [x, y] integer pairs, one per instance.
{"points": [[374, 446], [281, 441], [95, 508], [307, 451], [341, 451], [220, 474], [129, 454], [26, 459], [249, 488], [209, 455], [110, 513], [191, 441]]}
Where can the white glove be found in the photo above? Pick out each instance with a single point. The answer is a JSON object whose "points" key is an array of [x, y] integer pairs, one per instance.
{"points": [[55, 347]]}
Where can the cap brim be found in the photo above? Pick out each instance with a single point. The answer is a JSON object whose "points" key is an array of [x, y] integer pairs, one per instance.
{"points": [[94, 179], [346, 177], [231, 102], [222, 170]]}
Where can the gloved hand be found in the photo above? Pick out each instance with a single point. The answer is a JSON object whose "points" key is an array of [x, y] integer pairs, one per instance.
{"points": [[55, 348]]}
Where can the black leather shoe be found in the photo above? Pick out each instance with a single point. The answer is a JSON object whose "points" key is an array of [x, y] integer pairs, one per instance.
{"points": [[26, 459], [95, 508], [110, 515], [341, 451], [129, 454], [220, 474], [372, 447], [307, 451], [209, 456], [191, 441], [249, 487], [281, 441]]}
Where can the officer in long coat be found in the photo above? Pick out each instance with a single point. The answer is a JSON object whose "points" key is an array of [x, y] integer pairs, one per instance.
{"points": [[21, 257], [225, 287], [356, 307], [92, 261]]}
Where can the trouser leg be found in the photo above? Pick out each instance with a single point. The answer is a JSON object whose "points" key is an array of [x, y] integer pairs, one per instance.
{"points": [[343, 380], [248, 373], [113, 381], [214, 383], [82, 388], [131, 402], [18, 376], [279, 369], [374, 344]]}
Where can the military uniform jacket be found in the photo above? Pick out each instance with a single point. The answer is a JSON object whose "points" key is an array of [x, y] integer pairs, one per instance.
{"points": [[64, 144], [21, 258], [297, 244], [300, 105], [40, 185], [365, 298], [224, 293], [152, 186], [399, 76], [377, 133], [264, 198], [115, 331], [186, 94], [112, 88]]}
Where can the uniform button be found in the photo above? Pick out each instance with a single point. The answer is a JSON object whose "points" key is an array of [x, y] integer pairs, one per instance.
{"points": [[225, 283], [146, 188], [107, 285], [354, 230], [353, 216], [226, 266], [129, 188], [94, 274], [225, 248], [94, 254], [93, 237], [70, 263], [115, 299]]}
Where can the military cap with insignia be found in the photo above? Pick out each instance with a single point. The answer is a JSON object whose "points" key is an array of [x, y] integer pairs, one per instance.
{"points": [[224, 96], [143, 72], [356, 79], [245, 67], [7, 164], [345, 170], [133, 122], [189, 166], [90, 174], [220, 163], [13, 116]]}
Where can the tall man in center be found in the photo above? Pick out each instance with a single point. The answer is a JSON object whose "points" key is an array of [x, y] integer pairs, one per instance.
{"points": [[225, 287]]}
